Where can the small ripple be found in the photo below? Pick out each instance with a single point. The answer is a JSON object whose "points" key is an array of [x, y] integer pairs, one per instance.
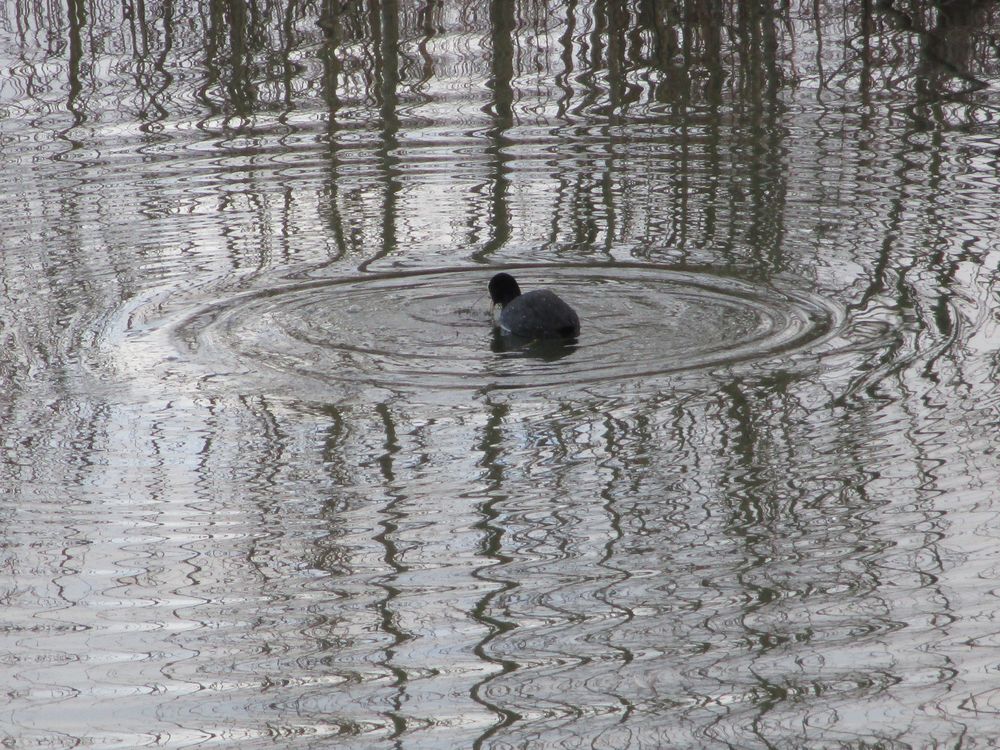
{"points": [[430, 329]]}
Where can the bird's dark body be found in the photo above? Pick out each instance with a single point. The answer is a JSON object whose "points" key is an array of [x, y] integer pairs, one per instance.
{"points": [[539, 314]]}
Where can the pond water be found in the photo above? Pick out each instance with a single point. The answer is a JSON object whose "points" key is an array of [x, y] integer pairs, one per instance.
{"points": [[269, 478]]}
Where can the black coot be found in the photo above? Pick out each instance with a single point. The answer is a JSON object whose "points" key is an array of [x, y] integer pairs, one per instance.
{"points": [[539, 314]]}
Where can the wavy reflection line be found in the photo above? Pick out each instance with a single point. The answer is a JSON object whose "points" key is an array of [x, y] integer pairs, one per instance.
{"points": [[492, 545], [389, 523], [617, 462]]}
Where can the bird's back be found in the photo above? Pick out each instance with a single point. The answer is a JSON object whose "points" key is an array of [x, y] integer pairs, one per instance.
{"points": [[540, 314]]}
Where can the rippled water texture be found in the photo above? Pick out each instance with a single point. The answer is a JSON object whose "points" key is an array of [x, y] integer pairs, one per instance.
{"points": [[269, 478], [432, 330]]}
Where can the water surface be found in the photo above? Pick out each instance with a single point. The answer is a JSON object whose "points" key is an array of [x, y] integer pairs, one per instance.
{"points": [[269, 479]]}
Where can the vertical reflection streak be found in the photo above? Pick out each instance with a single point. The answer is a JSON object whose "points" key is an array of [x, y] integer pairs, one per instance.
{"points": [[428, 29], [564, 78], [617, 461], [501, 110], [285, 60], [386, 25], [77, 18], [386, 607], [332, 70], [492, 549]]}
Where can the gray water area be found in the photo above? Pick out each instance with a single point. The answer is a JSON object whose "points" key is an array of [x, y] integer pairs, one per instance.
{"points": [[268, 478]]}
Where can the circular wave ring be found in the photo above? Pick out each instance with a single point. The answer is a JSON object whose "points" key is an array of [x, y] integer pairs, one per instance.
{"points": [[432, 329]]}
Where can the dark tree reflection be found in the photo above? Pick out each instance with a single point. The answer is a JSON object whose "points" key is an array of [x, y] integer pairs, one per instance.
{"points": [[249, 60]]}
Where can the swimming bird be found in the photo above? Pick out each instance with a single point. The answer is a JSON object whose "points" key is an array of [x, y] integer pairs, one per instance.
{"points": [[539, 314]]}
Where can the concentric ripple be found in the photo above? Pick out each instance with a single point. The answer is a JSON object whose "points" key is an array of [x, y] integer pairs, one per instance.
{"points": [[432, 329]]}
